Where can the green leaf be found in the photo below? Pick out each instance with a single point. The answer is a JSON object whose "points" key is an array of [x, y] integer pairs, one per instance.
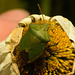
{"points": [[36, 51], [40, 31]]}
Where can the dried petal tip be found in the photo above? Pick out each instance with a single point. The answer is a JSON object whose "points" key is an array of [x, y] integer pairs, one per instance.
{"points": [[5, 60]]}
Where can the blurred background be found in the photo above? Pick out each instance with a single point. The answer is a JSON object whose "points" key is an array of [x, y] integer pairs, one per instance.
{"points": [[51, 8]]}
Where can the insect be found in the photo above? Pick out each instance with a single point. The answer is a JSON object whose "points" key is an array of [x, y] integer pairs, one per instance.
{"points": [[35, 39]]}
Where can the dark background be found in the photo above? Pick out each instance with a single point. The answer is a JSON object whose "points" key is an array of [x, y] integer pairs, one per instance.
{"points": [[51, 8]]}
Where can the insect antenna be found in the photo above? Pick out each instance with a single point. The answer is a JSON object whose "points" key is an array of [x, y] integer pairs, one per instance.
{"points": [[41, 11]]}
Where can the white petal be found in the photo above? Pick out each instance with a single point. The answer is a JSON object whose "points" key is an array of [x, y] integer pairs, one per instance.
{"points": [[5, 60], [67, 26]]}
